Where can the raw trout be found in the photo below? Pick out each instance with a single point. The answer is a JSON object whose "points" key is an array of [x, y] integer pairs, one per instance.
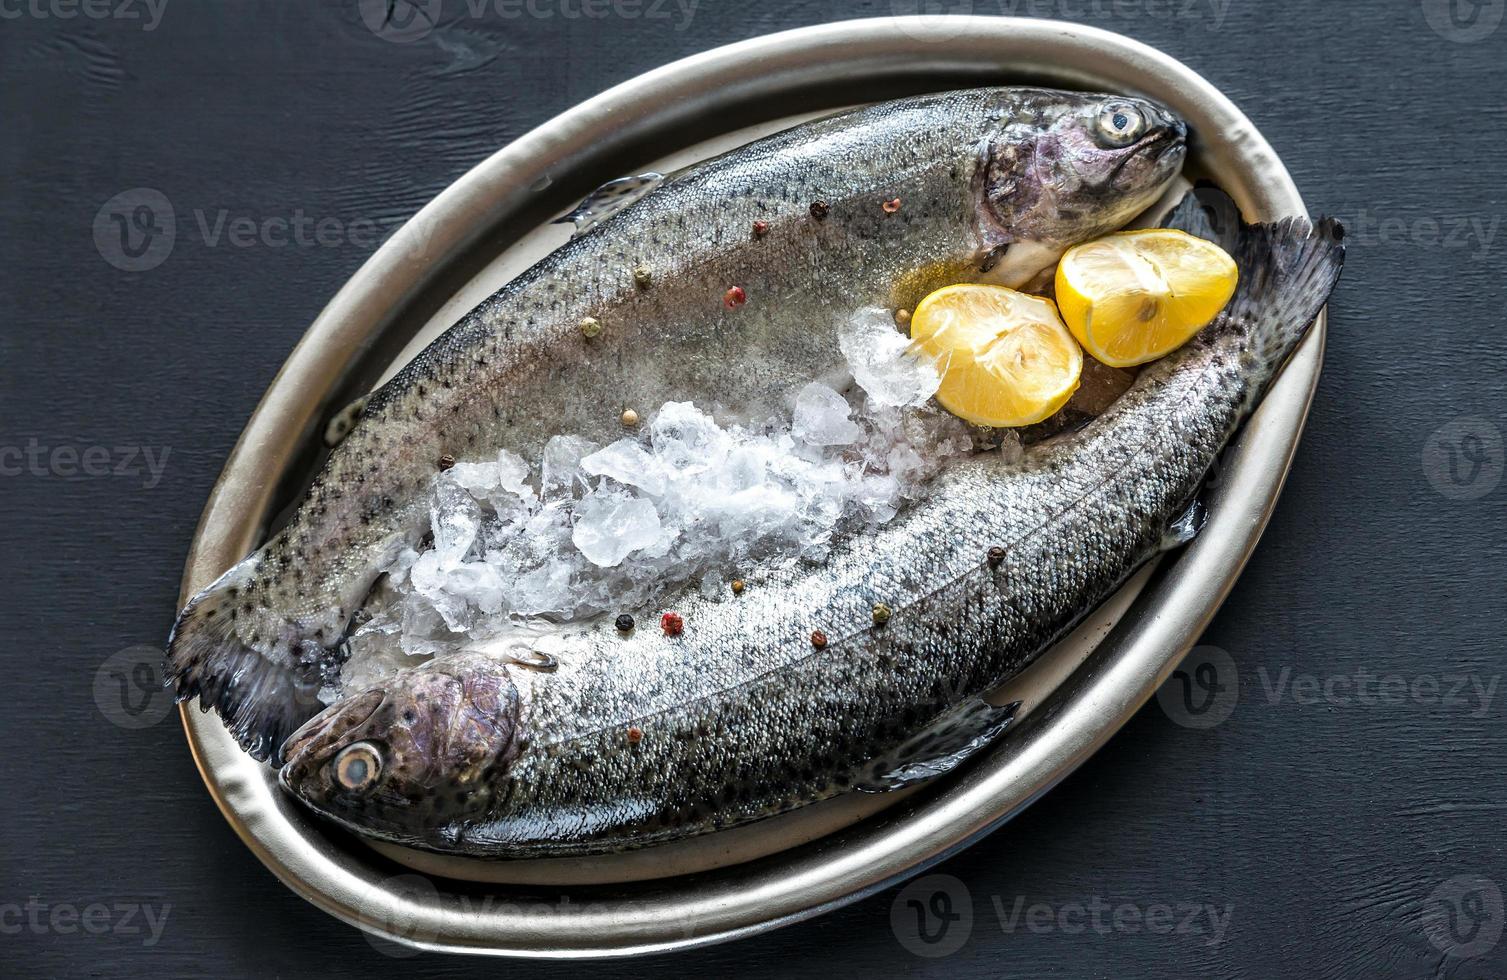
{"points": [[795, 691], [725, 281]]}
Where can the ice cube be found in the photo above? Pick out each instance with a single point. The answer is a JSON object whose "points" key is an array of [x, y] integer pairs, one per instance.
{"points": [[611, 525], [455, 518], [561, 469], [823, 417], [884, 362], [687, 439], [626, 462]]}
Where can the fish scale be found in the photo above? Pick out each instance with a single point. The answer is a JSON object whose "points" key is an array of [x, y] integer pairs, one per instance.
{"points": [[259, 643]]}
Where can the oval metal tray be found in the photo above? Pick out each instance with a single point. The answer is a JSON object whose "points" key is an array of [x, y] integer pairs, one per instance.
{"points": [[467, 240]]}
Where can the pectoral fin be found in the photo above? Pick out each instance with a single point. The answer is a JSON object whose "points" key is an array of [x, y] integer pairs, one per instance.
{"points": [[609, 199], [939, 748]]}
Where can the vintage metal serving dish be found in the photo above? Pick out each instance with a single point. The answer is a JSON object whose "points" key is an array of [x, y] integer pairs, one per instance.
{"points": [[493, 222]]}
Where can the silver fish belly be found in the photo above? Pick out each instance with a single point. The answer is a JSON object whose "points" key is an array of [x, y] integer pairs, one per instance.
{"points": [[752, 258], [608, 741]]}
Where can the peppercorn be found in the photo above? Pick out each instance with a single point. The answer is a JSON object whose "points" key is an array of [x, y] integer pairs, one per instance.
{"points": [[891, 206], [672, 624], [446, 461], [996, 555], [737, 586], [760, 229], [629, 417], [734, 297], [820, 210], [625, 623], [818, 639], [642, 277], [882, 614], [590, 326]]}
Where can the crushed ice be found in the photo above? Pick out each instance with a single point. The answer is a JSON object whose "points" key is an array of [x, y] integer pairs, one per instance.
{"points": [[590, 529]]}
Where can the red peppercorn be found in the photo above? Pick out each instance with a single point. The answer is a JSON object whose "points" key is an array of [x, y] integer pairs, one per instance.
{"points": [[819, 639], [672, 624], [760, 229], [635, 735], [734, 297], [892, 205]]}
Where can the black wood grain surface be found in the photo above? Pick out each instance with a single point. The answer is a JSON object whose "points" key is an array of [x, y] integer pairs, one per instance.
{"points": [[1344, 818]]}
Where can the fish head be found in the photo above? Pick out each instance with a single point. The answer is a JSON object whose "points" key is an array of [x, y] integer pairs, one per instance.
{"points": [[420, 752], [1068, 167]]}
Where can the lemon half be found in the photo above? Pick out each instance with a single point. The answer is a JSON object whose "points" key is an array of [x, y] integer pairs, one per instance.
{"points": [[1135, 296], [1005, 357]]}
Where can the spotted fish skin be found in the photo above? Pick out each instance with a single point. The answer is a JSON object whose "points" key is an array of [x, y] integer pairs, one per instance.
{"points": [[624, 741], [993, 179]]}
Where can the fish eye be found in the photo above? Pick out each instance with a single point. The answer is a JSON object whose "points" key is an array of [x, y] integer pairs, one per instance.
{"points": [[357, 767], [1121, 124]]}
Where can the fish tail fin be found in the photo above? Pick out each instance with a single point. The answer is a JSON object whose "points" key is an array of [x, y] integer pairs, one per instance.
{"points": [[1288, 268], [259, 673]]}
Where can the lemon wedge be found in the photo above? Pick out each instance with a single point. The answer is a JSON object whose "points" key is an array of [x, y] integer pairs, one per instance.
{"points": [[1136, 296], [1005, 357]]}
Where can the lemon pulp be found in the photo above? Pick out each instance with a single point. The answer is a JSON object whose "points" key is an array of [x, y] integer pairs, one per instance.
{"points": [[1135, 296], [1005, 357]]}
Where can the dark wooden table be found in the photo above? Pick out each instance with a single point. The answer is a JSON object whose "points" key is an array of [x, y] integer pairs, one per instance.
{"points": [[1344, 819]]}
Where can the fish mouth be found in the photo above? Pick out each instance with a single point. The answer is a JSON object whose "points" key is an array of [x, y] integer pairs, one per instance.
{"points": [[1158, 148], [336, 720]]}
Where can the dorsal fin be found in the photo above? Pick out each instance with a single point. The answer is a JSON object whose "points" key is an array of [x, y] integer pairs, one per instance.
{"points": [[609, 199]]}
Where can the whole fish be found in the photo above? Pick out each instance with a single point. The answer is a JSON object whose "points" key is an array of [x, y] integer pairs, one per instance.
{"points": [[796, 691], [725, 281]]}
